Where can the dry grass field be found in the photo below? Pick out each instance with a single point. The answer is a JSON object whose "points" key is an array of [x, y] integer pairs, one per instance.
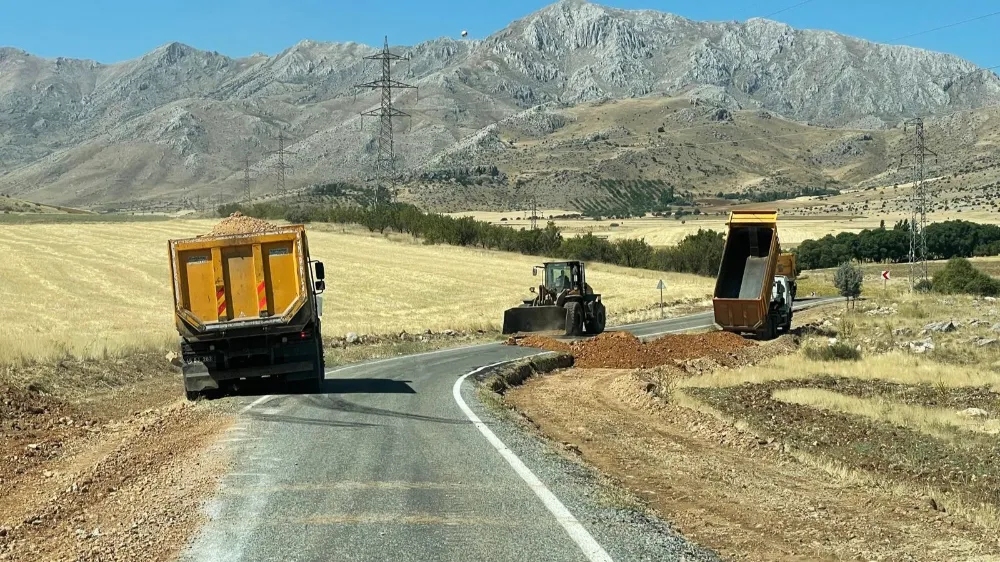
{"points": [[92, 290]]}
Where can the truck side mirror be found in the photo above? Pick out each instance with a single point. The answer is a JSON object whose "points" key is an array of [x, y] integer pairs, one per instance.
{"points": [[534, 272], [320, 286], [320, 270]]}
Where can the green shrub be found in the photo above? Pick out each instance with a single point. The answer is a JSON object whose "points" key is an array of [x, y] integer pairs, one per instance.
{"points": [[923, 286], [848, 280], [960, 277], [839, 351]]}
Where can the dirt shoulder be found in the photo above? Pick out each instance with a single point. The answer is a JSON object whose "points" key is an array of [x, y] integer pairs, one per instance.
{"points": [[103, 460], [865, 434], [730, 489]]}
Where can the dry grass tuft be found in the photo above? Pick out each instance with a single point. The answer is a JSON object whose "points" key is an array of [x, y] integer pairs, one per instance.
{"points": [[899, 367]]}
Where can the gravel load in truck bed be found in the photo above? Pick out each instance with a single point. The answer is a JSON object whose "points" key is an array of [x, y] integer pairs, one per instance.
{"points": [[622, 350], [238, 223]]}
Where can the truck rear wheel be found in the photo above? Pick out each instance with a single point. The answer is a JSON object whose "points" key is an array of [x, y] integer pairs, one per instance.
{"points": [[191, 395], [574, 319]]}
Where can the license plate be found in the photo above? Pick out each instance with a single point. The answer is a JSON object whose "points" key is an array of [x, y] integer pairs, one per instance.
{"points": [[202, 359]]}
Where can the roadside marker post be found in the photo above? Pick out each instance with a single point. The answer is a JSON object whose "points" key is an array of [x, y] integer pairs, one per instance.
{"points": [[661, 286], [885, 279]]}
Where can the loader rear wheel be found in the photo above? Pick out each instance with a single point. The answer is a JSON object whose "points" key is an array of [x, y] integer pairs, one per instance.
{"points": [[598, 320], [574, 319]]}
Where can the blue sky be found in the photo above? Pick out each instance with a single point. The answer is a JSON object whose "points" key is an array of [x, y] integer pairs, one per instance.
{"points": [[114, 30]]}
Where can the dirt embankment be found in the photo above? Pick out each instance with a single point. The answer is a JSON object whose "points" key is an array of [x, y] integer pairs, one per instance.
{"points": [[112, 474], [740, 492]]}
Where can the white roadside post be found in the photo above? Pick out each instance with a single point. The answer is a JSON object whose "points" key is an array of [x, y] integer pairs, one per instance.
{"points": [[661, 286], [885, 279]]}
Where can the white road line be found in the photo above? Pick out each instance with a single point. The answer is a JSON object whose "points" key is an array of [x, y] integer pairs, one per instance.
{"points": [[590, 547], [260, 400]]}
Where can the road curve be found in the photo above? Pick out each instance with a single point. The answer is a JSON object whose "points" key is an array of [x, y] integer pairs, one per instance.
{"points": [[384, 464]]}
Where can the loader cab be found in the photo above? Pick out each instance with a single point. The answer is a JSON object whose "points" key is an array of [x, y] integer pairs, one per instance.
{"points": [[561, 276]]}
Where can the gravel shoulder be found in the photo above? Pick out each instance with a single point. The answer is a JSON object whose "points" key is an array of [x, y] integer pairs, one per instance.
{"points": [[103, 460]]}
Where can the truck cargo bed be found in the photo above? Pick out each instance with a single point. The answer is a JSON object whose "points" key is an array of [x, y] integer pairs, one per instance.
{"points": [[239, 281], [743, 288]]}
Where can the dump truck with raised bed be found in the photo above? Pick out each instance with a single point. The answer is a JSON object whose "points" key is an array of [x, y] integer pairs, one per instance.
{"points": [[247, 305], [563, 301], [749, 296]]}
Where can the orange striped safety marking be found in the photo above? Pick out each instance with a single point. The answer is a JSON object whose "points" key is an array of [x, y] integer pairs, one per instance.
{"points": [[220, 297], [261, 297]]}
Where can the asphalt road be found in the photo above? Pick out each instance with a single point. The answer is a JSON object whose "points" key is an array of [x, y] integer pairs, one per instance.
{"points": [[386, 464]]}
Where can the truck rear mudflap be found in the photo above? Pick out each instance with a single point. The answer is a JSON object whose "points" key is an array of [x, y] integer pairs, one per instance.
{"points": [[198, 378]]}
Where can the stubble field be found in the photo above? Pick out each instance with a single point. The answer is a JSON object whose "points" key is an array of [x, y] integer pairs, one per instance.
{"points": [[96, 290]]}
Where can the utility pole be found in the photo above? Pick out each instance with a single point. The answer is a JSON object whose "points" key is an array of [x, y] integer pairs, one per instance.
{"points": [[281, 166], [385, 163], [534, 211], [917, 155], [246, 179]]}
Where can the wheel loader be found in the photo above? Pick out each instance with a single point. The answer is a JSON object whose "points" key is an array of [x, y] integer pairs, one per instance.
{"points": [[563, 301]]}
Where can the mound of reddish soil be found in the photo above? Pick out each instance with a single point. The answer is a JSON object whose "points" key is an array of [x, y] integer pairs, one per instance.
{"points": [[622, 350]]}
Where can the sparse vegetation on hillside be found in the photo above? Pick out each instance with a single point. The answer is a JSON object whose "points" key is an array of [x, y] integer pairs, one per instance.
{"points": [[755, 196], [623, 199]]}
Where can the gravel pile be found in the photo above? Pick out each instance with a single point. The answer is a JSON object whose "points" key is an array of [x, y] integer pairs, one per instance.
{"points": [[238, 223], [622, 350]]}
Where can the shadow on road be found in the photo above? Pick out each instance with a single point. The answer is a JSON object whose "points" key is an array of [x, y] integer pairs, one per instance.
{"points": [[261, 387], [366, 386], [330, 397]]}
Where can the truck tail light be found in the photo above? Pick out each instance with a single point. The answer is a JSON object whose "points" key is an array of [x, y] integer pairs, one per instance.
{"points": [[304, 335]]}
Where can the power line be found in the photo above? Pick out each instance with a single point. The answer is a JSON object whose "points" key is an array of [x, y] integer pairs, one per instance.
{"points": [[385, 163], [926, 31], [792, 7]]}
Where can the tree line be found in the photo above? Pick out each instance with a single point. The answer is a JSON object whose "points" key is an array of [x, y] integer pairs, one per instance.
{"points": [[699, 253], [945, 240]]}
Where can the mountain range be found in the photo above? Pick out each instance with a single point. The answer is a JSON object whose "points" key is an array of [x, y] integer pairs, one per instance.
{"points": [[179, 123]]}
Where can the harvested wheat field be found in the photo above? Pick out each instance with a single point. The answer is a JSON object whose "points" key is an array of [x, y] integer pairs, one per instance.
{"points": [[103, 289], [884, 450]]}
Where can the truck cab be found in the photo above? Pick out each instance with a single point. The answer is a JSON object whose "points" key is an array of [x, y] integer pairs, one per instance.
{"points": [[782, 295]]}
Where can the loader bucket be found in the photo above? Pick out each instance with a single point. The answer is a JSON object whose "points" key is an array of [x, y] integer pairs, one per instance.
{"points": [[534, 319]]}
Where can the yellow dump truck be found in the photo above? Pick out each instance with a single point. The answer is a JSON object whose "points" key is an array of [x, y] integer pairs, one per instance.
{"points": [[749, 296], [247, 306]]}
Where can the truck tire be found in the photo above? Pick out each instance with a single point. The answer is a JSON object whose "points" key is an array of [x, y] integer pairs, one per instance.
{"points": [[598, 319], [191, 395], [320, 364], [788, 325], [574, 318]]}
